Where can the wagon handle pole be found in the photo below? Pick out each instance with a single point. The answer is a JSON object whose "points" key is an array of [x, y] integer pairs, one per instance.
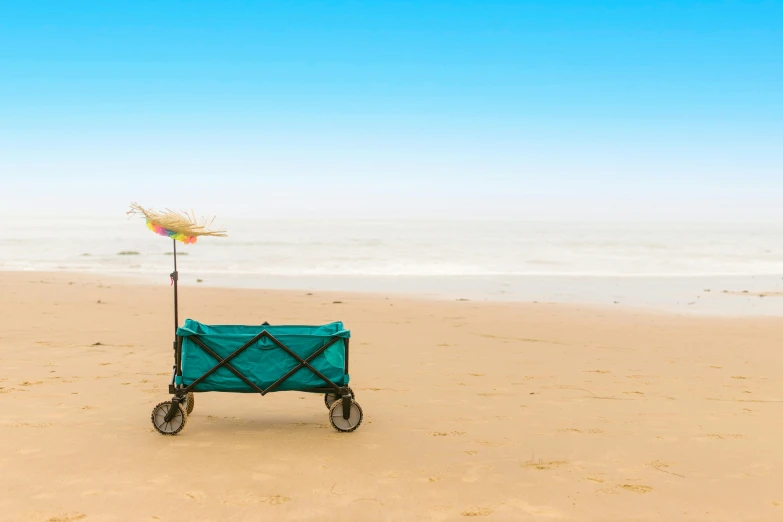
{"points": [[174, 279]]}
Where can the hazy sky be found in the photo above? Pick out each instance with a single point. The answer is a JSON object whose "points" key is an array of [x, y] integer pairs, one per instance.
{"points": [[559, 109]]}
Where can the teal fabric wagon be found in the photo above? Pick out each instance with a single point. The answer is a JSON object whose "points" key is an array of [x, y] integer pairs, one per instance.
{"points": [[259, 359], [271, 359]]}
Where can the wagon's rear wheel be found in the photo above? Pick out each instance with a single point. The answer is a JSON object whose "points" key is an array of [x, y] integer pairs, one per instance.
{"points": [[342, 424], [188, 403], [173, 426], [331, 397]]}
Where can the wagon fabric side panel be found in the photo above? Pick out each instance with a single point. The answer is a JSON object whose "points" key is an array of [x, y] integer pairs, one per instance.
{"points": [[263, 362]]}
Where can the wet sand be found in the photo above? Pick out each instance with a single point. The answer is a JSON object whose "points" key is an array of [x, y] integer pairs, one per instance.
{"points": [[498, 411]]}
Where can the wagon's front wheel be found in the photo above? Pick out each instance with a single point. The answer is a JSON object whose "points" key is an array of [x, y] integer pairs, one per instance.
{"points": [[331, 397], [189, 403], [339, 422], [172, 426]]}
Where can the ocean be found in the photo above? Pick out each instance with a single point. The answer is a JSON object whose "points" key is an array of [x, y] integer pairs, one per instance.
{"points": [[603, 263]]}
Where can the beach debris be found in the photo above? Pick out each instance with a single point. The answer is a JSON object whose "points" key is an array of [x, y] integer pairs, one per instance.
{"points": [[128, 253], [199, 280], [337, 302]]}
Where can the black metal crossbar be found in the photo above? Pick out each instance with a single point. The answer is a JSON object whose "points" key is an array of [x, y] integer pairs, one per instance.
{"points": [[221, 362], [303, 363]]}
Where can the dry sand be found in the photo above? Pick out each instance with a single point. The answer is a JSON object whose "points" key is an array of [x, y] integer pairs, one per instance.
{"points": [[493, 411]]}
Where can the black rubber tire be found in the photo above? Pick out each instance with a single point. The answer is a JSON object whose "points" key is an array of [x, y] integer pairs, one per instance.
{"points": [[345, 425], [330, 398], [176, 424]]}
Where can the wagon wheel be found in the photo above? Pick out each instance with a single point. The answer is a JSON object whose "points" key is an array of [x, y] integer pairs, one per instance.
{"points": [[173, 426], [188, 403], [330, 397], [341, 424]]}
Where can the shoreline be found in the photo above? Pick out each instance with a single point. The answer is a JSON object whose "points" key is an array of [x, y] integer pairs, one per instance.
{"points": [[688, 295]]}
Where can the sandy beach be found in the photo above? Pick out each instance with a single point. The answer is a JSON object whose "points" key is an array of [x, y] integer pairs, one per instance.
{"points": [[473, 411]]}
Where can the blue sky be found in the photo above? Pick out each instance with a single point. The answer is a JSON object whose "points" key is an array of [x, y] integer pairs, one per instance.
{"points": [[558, 109]]}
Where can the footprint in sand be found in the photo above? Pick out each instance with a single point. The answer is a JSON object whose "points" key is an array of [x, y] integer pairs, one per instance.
{"points": [[477, 512], [543, 465], [636, 488], [491, 444], [198, 496], [662, 466], [723, 436], [68, 517], [619, 488], [578, 430], [248, 498], [27, 425]]}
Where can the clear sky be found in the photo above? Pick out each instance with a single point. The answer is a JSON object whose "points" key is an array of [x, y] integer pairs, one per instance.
{"points": [[555, 108]]}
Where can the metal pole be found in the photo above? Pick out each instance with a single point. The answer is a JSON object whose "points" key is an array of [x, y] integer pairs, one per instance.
{"points": [[175, 278]]}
